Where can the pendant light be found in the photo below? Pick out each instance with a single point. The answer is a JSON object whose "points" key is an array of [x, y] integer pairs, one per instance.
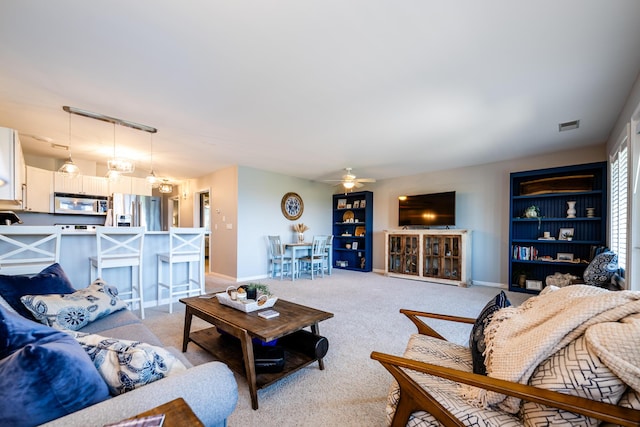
{"points": [[69, 168], [118, 164], [165, 187], [151, 178], [113, 174]]}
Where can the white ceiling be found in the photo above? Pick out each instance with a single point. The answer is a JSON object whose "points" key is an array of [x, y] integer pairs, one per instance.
{"points": [[307, 88]]}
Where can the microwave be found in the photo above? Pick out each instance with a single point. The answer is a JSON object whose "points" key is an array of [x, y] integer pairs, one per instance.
{"points": [[80, 204]]}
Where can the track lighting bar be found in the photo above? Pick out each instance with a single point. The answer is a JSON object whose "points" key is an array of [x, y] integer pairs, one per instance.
{"points": [[108, 119]]}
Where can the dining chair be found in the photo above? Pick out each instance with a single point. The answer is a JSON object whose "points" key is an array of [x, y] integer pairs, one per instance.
{"points": [[117, 248], [186, 247], [327, 254], [277, 257], [317, 256], [28, 249]]}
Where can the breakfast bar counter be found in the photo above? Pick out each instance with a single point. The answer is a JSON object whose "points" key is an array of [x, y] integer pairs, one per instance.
{"points": [[77, 246]]}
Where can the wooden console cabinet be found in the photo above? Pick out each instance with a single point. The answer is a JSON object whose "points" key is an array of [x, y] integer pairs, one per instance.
{"points": [[441, 256]]}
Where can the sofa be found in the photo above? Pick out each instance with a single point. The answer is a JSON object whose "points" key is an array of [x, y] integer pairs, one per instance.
{"points": [[566, 357], [209, 389]]}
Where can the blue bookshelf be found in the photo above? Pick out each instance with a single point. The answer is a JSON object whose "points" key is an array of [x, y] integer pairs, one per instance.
{"points": [[536, 257]]}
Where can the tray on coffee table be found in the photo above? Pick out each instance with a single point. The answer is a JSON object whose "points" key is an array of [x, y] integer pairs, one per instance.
{"points": [[246, 306]]}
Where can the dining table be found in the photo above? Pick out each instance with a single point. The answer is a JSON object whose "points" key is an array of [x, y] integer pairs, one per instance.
{"points": [[305, 249]]}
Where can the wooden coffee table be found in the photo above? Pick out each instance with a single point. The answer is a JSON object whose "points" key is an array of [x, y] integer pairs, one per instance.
{"points": [[245, 326]]}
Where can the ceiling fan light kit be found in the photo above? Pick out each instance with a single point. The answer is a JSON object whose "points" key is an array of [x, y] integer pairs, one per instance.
{"points": [[349, 180]]}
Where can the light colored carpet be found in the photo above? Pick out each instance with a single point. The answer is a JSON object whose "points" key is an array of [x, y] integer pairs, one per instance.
{"points": [[352, 390]]}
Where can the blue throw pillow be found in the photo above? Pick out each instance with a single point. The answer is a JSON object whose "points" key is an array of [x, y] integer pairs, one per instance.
{"points": [[476, 341], [44, 373], [51, 280]]}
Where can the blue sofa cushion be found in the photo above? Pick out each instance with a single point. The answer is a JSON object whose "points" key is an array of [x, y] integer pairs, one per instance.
{"points": [[476, 340], [76, 310], [44, 373], [51, 280]]}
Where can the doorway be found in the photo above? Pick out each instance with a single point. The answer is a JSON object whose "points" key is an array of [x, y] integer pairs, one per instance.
{"points": [[174, 211], [203, 219]]}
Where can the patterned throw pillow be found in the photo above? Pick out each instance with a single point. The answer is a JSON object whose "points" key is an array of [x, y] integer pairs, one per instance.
{"points": [[576, 371], [601, 269], [127, 365], [476, 340], [76, 310]]}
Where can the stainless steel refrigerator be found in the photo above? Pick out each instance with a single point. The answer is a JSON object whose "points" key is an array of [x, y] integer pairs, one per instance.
{"points": [[131, 210]]}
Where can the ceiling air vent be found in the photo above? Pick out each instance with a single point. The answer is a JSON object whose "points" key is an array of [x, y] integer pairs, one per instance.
{"points": [[575, 124]]}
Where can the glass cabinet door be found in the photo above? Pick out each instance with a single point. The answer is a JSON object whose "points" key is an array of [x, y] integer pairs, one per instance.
{"points": [[395, 254], [410, 255]]}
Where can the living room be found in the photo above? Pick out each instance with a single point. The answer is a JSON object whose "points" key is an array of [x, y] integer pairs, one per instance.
{"points": [[414, 138]]}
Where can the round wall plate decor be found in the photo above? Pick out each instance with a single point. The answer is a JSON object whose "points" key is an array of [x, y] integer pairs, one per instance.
{"points": [[292, 206]]}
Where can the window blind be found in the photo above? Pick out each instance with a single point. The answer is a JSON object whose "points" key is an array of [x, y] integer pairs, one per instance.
{"points": [[619, 203]]}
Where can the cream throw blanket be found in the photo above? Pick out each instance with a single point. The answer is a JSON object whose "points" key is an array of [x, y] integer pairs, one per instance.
{"points": [[520, 338]]}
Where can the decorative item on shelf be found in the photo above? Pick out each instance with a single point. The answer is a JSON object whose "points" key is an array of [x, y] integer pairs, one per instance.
{"points": [[535, 285], [571, 211], [342, 203], [300, 228], [564, 256], [591, 212], [348, 216], [363, 262], [360, 231], [534, 212], [347, 246], [356, 204], [354, 245], [565, 234]]}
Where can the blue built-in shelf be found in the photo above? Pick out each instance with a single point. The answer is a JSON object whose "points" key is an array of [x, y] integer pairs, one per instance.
{"points": [[586, 184]]}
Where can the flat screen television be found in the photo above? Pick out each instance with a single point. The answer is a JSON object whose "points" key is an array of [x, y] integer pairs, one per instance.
{"points": [[435, 209]]}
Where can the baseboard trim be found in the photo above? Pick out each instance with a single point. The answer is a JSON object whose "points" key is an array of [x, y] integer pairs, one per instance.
{"points": [[490, 284]]}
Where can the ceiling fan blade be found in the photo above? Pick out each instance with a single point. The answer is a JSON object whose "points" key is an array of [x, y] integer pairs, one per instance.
{"points": [[365, 180]]}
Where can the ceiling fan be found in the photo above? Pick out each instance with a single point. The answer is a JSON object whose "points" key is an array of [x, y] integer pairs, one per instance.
{"points": [[349, 180]]}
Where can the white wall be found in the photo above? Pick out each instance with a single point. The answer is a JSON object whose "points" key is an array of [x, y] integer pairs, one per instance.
{"points": [[482, 205], [630, 114], [260, 215]]}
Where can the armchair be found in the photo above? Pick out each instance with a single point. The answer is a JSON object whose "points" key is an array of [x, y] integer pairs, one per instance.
{"points": [[437, 397]]}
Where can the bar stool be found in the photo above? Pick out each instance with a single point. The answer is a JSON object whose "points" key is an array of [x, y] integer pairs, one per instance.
{"points": [[119, 247], [186, 246], [28, 249]]}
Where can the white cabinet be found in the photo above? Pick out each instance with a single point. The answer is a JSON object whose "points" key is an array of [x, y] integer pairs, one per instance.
{"points": [[11, 169], [441, 256], [130, 185], [95, 185], [120, 185], [140, 186], [65, 184], [84, 184], [39, 190]]}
